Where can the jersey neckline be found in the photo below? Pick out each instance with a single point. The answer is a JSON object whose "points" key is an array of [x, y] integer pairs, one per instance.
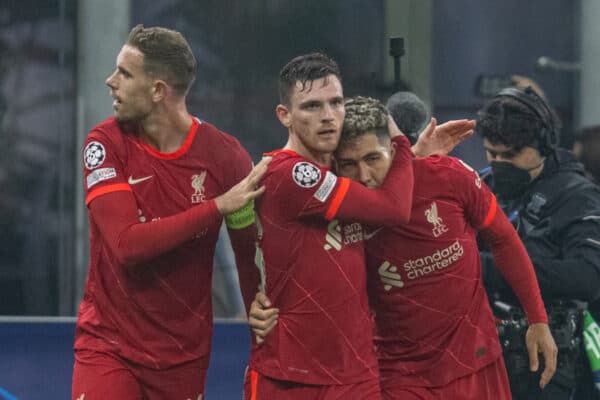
{"points": [[179, 152], [292, 153], [281, 151]]}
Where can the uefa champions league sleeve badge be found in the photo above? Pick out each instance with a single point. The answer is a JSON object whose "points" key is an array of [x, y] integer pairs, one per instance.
{"points": [[305, 174], [94, 155]]}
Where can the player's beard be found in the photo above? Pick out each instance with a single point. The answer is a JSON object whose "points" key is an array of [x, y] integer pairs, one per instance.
{"points": [[132, 117]]}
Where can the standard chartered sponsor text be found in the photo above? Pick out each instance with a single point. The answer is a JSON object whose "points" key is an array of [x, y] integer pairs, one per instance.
{"points": [[441, 259]]}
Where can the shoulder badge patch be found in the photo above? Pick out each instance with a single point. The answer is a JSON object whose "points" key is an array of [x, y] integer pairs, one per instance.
{"points": [[306, 175], [93, 155]]}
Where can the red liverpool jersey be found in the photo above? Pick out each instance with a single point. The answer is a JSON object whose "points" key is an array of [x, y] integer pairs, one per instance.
{"points": [[314, 270], [434, 323], [154, 309]]}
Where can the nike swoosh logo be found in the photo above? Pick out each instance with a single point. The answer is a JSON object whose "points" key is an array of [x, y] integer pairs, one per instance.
{"points": [[369, 236], [132, 181]]}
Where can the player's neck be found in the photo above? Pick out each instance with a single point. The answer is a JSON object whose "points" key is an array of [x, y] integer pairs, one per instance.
{"points": [[166, 129], [323, 159]]}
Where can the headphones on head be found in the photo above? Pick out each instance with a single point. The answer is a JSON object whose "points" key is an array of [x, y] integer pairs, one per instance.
{"points": [[548, 134]]}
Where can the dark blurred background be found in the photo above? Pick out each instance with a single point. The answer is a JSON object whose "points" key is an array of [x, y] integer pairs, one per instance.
{"points": [[55, 56]]}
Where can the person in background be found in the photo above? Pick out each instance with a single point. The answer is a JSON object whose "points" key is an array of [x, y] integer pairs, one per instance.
{"points": [[556, 212]]}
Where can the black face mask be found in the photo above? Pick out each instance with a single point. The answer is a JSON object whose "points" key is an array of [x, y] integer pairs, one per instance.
{"points": [[509, 181]]}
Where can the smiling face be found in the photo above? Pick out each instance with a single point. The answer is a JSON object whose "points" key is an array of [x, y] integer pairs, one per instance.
{"points": [[314, 118], [365, 159], [130, 86]]}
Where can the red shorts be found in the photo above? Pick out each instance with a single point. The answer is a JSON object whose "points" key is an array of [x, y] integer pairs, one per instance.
{"points": [[260, 387], [489, 383], [101, 376]]}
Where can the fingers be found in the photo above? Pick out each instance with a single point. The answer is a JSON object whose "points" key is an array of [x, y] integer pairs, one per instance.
{"points": [[466, 134], [258, 171], [254, 194], [550, 352], [457, 127], [432, 126], [262, 300], [539, 339], [428, 130], [433, 123], [532, 350], [261, 310], [262, 318], [264, 328], [549, 370]]}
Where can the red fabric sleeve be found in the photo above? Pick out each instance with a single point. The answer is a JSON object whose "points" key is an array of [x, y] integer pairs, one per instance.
{"points": [[243, 242], [511, 258], [133, 242], [390, 204]]}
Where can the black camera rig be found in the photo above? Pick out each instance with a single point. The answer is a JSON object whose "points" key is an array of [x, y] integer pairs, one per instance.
{"points": [[565, 319]]}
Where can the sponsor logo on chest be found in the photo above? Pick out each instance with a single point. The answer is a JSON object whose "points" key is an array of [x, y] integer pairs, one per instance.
{"points": [[389, 276], [338, 235], [439, 260], [421, 267]]}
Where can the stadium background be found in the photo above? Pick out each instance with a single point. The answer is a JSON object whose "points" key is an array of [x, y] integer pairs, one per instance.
{"points": [[56, 54]]}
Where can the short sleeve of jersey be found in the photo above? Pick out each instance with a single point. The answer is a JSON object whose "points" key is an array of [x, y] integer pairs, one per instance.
{"points": [[308, 189], [478, 201], [102, 167]]}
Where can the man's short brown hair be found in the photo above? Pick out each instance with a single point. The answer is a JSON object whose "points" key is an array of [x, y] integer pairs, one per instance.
{"points": [[305, 69], [167, 56]]}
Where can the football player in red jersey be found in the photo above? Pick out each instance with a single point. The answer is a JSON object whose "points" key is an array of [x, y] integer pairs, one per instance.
{"points": [[158, 182], [310, 249], [435, 335]]}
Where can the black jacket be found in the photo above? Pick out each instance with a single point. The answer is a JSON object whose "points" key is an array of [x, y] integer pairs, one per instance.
{"points": [[558, 220]]}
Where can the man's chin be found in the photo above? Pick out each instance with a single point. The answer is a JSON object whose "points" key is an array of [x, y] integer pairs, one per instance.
{"points": [[123, 119], [329, 146]]}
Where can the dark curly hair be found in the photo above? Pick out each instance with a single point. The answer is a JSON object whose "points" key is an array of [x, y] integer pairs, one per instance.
{"points": [[365, 115], [508, 121]]}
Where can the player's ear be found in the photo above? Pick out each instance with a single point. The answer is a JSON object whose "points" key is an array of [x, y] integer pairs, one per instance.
{"points": [[284, 115], [159, 90]]}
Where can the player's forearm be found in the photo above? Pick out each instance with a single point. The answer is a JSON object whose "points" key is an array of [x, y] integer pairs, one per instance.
{"points": [[390, 204], [511, 258], [133, 242], [400, 179], [243, 242]]}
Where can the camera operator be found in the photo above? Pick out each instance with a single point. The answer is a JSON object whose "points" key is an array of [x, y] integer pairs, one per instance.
{"points": [[556, 211]]}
